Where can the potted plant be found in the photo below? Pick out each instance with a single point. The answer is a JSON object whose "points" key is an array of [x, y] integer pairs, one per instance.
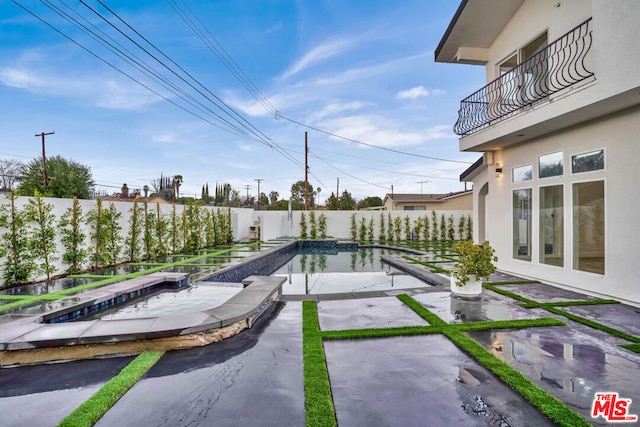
{"points": [[475, 262]]}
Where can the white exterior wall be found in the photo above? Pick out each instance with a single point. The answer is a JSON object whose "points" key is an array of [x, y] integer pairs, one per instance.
{"points": [[619, 135], [614, 58]]}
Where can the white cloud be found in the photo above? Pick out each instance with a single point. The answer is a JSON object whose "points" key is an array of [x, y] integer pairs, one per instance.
{"points": [[413, 93], [319, 53], [94, 90], [17, 78], [118, 96], [380, 131], [336, 108], [277, 26]]}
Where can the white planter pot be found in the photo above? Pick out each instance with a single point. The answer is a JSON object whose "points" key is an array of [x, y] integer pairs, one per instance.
{"points": [[471, 289]]}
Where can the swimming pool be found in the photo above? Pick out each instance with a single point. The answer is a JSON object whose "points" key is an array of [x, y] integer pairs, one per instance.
{"points": [[343, 272]]}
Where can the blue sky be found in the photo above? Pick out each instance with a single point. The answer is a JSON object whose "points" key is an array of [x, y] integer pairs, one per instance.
{"points": [[363, 70]]}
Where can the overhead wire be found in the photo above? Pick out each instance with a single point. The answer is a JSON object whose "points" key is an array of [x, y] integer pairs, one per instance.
{"points": [[133, 60], [372, 145], [218, 50], [223, 106]]}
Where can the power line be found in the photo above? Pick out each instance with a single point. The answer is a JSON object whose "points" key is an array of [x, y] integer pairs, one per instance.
{"points": [[371, 145], [218, 50]]}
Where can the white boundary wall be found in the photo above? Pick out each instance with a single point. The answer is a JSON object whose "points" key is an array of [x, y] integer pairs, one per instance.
{"points": [[276, 224], [273, 224]]}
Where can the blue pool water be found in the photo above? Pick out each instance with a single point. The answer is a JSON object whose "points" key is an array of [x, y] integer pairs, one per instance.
{"points": [[344, 272]]}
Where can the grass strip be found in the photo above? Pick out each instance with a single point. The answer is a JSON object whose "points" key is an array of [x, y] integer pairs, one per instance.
{"points": [[427, 315], [594, 325], [19, 304], [509, 294], [432, 266], [511, 282], [568, 303], [350, 334], [89, 412], [548, 404], [317, 388], [508, 324], [631, 347], [16, 297]]}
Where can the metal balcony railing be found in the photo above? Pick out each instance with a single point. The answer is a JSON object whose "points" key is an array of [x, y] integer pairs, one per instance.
{"points": [[560, 65]]}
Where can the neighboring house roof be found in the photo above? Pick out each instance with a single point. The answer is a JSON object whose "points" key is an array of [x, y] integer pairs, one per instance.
{"points": [[425, 198]]}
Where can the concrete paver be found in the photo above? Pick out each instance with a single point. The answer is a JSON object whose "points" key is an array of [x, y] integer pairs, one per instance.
{"points": [[419, 381], [490, 306], [366, 313], [254, 378], [42, 395], [569, 363]]}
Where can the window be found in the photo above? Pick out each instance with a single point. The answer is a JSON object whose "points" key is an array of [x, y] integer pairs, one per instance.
{"points": [[550, 165], [552, 225], [524, 75], [408, 208], [522, 173], [587, 162], [522, 224], [588, 227]]}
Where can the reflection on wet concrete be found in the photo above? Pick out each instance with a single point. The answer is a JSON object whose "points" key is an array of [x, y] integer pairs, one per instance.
{"points": [[419, 381], [46, 287], [43, 395], [545, 293], [366, 313], [568, 363], [254, 378], [618, 316], [489, 306]]}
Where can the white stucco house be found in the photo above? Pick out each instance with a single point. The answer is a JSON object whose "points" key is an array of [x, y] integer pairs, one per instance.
{"points": [[558, 124]]}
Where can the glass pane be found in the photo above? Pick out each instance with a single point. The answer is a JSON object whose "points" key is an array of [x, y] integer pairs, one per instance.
{"points": [[551, 165], [522, 224], [522, 173], [509, 64], [587, 161], [588, 226], [552, 226], [534, 47]]}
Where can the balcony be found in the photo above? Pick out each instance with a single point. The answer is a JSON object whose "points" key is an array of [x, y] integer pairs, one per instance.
{"points": [[560, 65]]}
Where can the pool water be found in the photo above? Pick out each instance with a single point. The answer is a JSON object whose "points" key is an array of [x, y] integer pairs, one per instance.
{"points": [[196, 297], [345, 272]]}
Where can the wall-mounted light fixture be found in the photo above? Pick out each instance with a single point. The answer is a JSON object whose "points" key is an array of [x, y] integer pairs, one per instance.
{"points": [[498, 170]]}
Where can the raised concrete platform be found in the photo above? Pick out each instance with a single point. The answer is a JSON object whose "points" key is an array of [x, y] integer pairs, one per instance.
{"points": [[236, 314]]}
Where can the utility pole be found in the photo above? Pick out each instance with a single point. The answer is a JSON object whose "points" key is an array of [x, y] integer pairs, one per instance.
{"points": [[337, 187], [306, 172], [248, 187], [258, 180], [44, 161], [421, 182]]}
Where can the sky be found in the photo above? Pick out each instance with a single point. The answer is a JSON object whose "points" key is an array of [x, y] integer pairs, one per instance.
{"points": [[224, 91]]}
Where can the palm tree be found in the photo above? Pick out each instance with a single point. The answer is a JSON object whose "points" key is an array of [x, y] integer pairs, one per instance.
{"points": [[319, 190], [177, 182], [273, 197]]}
